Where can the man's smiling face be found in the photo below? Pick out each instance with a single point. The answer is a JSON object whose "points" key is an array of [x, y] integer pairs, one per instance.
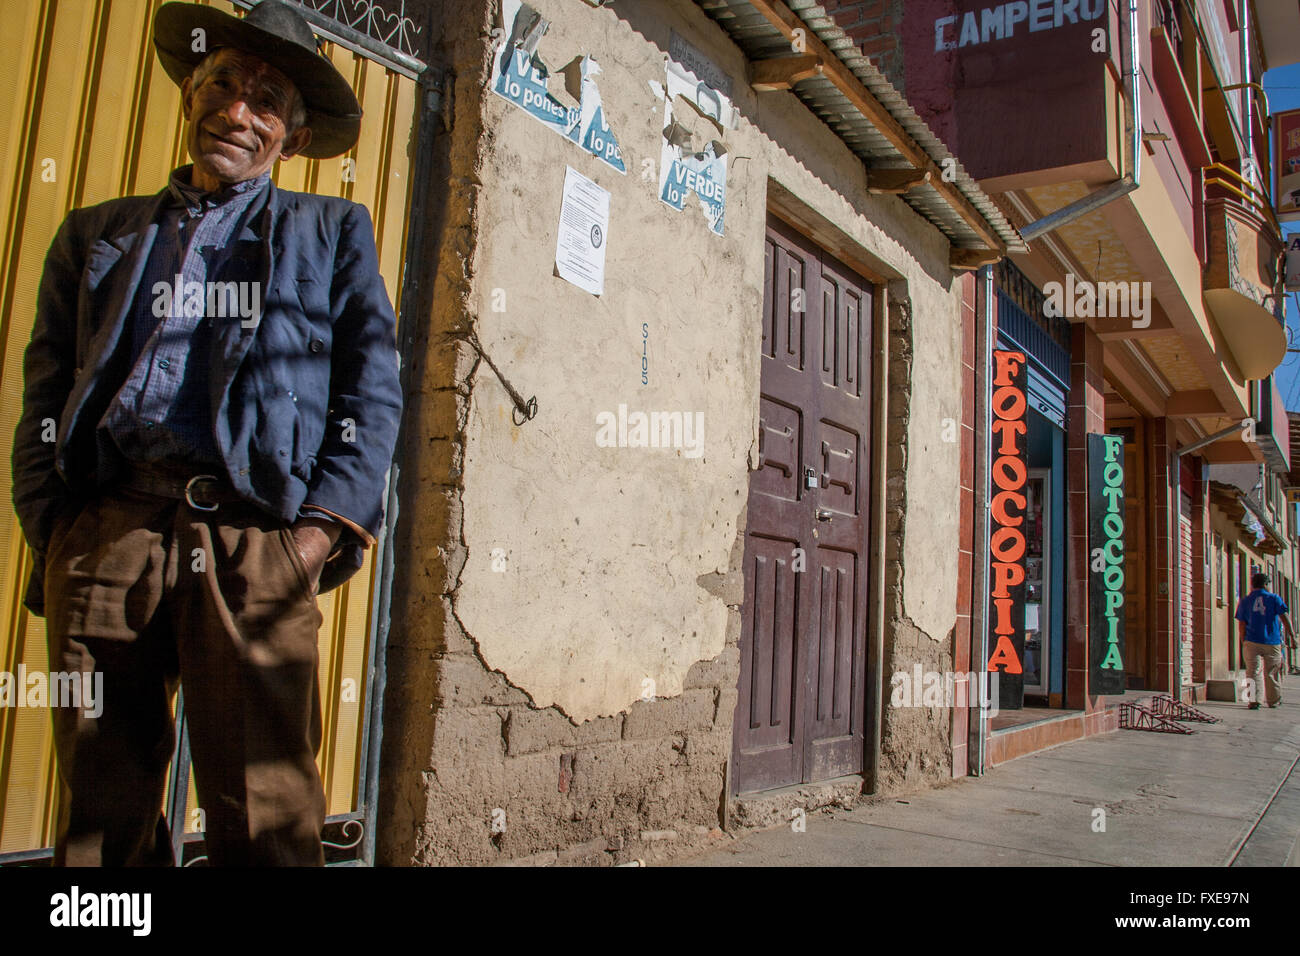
{"points": [[239, 109]]}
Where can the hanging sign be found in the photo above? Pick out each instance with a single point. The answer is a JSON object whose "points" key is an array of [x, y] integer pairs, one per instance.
{"points": [[1286, 164], [1293, 262], [1106, 564], [1007, 528]]}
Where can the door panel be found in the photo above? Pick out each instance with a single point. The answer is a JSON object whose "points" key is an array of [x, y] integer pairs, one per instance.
{"points": [[803, 639], [838, 699], [835, 731], [772, 724], [770, 716]]}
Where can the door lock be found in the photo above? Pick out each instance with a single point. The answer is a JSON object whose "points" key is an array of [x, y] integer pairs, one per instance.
{"points": [[809, 478], [824, 514]]}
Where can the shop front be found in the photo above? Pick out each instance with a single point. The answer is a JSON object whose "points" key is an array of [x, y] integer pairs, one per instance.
{"points": [[1023, 327], [1245, 541]]}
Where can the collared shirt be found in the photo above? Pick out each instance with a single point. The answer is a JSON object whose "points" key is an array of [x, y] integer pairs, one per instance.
{"points": [[197, 274]]}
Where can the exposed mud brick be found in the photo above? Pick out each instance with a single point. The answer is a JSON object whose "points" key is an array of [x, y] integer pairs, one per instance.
{"points": [[529, 731], [653, 836], [443, 456], [454, 639], [599, 731], [723, 670], [692, 710], [439, 412], [450, 362], [440, 517], [764, 811], [411, 671], [729, 587], [463, 682], [545, 858], [589, 853], [896, 458], [467, 740], [725, 710]]}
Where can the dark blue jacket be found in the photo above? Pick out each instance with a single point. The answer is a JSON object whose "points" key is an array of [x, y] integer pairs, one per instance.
{"points": [[305, 403]]}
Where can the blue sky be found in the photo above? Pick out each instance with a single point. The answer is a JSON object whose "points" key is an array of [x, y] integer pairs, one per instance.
{"points": [[1283, 88]]}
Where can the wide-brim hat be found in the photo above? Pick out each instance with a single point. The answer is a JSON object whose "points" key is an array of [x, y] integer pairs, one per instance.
{"points": [[278, 34]]}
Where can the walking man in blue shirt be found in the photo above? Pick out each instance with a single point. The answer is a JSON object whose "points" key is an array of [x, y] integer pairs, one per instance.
{"points": [[1257, 616]]}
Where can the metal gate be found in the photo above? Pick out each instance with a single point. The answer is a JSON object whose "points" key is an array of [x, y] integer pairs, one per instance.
{"points": [[91, 116], [800, 715]]}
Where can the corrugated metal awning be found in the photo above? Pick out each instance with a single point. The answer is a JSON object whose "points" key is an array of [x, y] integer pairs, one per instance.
{"points": [[1248, 516], [960, 209]]}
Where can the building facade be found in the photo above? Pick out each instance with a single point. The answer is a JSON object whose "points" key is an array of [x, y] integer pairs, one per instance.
{"points": [[682, 291], [1129, 143], [612, 649]]}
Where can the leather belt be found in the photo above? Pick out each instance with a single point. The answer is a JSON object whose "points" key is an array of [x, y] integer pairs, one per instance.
{"points": [[201, 491]]}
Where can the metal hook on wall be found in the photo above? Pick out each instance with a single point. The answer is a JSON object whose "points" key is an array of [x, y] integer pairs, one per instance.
{"points": [[525, 410]]}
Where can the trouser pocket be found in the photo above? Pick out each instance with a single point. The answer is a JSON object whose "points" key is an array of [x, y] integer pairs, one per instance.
{"points": [[296, 562]]}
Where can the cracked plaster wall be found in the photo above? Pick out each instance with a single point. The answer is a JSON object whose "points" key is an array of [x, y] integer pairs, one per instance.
{"points": [[523, 690]]}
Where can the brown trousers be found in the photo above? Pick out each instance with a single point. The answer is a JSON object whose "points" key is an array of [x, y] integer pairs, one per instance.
{"points": [[1270, 657], [148, 591]]}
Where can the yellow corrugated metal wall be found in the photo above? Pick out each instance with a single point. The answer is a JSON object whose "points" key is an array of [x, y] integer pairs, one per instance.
{"points": [[90, 115]]}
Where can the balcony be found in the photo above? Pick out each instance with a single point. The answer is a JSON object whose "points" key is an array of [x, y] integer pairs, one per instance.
{"points": [[1243, 250]]}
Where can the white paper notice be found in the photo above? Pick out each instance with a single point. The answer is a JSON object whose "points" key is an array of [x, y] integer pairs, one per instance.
{"points": [[584, 228]]}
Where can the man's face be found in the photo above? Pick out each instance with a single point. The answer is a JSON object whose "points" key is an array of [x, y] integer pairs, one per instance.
{"points": [[237, 118]]}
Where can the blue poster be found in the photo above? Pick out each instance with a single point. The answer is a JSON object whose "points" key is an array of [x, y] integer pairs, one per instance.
{"points": [[518, 76], [683, 174]]}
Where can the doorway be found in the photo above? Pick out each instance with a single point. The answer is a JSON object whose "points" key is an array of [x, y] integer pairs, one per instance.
{"points": [[1039, 652], [801, 710]]}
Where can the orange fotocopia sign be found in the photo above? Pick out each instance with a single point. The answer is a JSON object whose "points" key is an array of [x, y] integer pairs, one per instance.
{"points": [[1007, 544]]}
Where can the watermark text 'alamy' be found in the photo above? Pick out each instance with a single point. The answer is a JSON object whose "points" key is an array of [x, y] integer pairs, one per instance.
{"points": [[1081, 299]]}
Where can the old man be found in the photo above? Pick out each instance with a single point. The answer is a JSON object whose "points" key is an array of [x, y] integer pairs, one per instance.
{"points": [[210, 406]]}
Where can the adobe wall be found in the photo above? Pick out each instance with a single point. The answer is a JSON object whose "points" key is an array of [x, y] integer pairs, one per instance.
{"points": [[563, 660]]}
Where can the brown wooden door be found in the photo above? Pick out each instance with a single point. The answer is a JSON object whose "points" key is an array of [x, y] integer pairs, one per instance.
{"points": [[800, 715]]}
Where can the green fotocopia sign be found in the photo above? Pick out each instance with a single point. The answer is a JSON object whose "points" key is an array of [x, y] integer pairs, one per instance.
{"points": [[1106, 564]]}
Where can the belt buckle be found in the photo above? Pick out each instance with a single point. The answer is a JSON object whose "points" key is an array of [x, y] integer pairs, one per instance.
{"points": [[189, 493]]}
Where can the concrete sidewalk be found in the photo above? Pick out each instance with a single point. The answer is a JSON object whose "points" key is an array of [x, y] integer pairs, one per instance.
{"points": [[1225, 795]]}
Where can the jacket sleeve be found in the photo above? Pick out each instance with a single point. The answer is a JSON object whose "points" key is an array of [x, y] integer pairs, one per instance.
{"points": [[48, 377], [365, 402]]}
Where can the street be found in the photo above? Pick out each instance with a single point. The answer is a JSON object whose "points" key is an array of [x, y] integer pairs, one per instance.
{"points": [[1226, 795]]}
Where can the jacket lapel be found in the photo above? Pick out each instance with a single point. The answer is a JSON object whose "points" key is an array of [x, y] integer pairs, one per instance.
{"points": [[113, 268]]}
